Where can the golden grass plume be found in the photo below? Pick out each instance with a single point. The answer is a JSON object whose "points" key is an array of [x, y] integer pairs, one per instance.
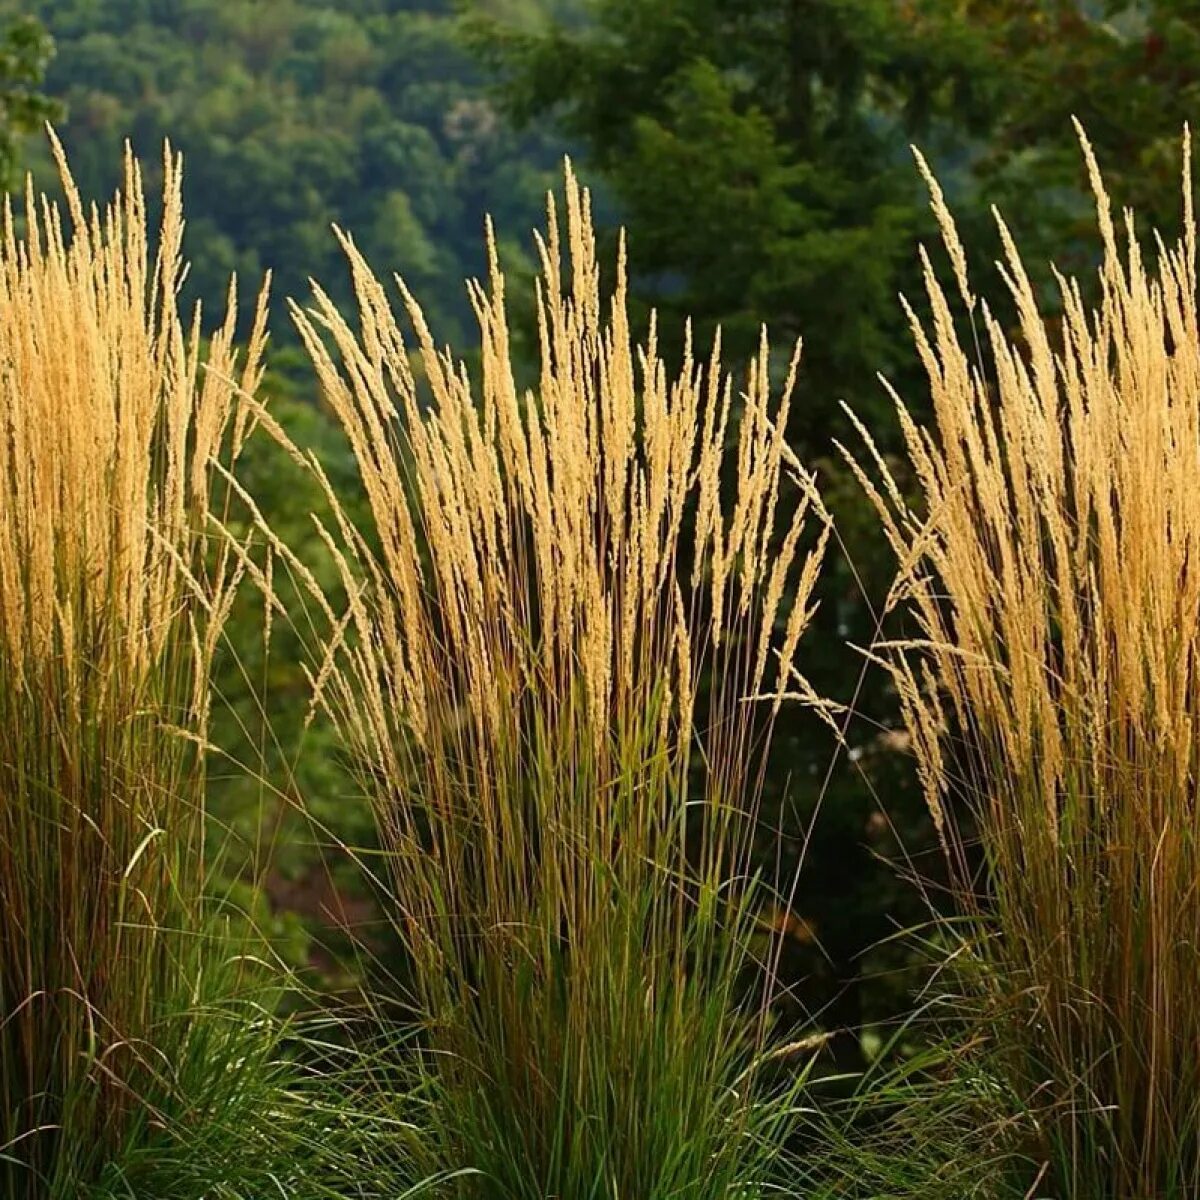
{"points": [[1051, 683], [110, 610], [570, 624]]}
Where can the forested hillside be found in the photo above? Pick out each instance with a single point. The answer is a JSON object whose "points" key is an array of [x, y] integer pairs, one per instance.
{"points": [[295, 114]]}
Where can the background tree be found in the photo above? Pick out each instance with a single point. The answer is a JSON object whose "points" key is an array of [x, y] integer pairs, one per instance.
{"points": [[25, 51], [1129, 72], [757, 154]]}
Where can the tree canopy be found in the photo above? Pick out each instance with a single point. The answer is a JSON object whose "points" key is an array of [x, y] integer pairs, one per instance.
{"points": [[758, 156], [25, 51], [296, 115]]}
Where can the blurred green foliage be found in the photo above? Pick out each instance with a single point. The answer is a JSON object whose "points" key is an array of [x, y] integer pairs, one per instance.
{"points": [[758, 155], [25, 51], [293, 115]]}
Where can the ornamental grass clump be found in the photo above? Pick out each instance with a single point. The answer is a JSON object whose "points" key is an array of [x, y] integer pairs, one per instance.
{"points": [[1051, 687], [119, 1034], [570, 626]]}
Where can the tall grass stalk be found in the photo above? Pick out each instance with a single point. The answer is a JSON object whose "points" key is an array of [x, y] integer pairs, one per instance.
{"points": [[111, 606], [1052, 693], [570, 627]]}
